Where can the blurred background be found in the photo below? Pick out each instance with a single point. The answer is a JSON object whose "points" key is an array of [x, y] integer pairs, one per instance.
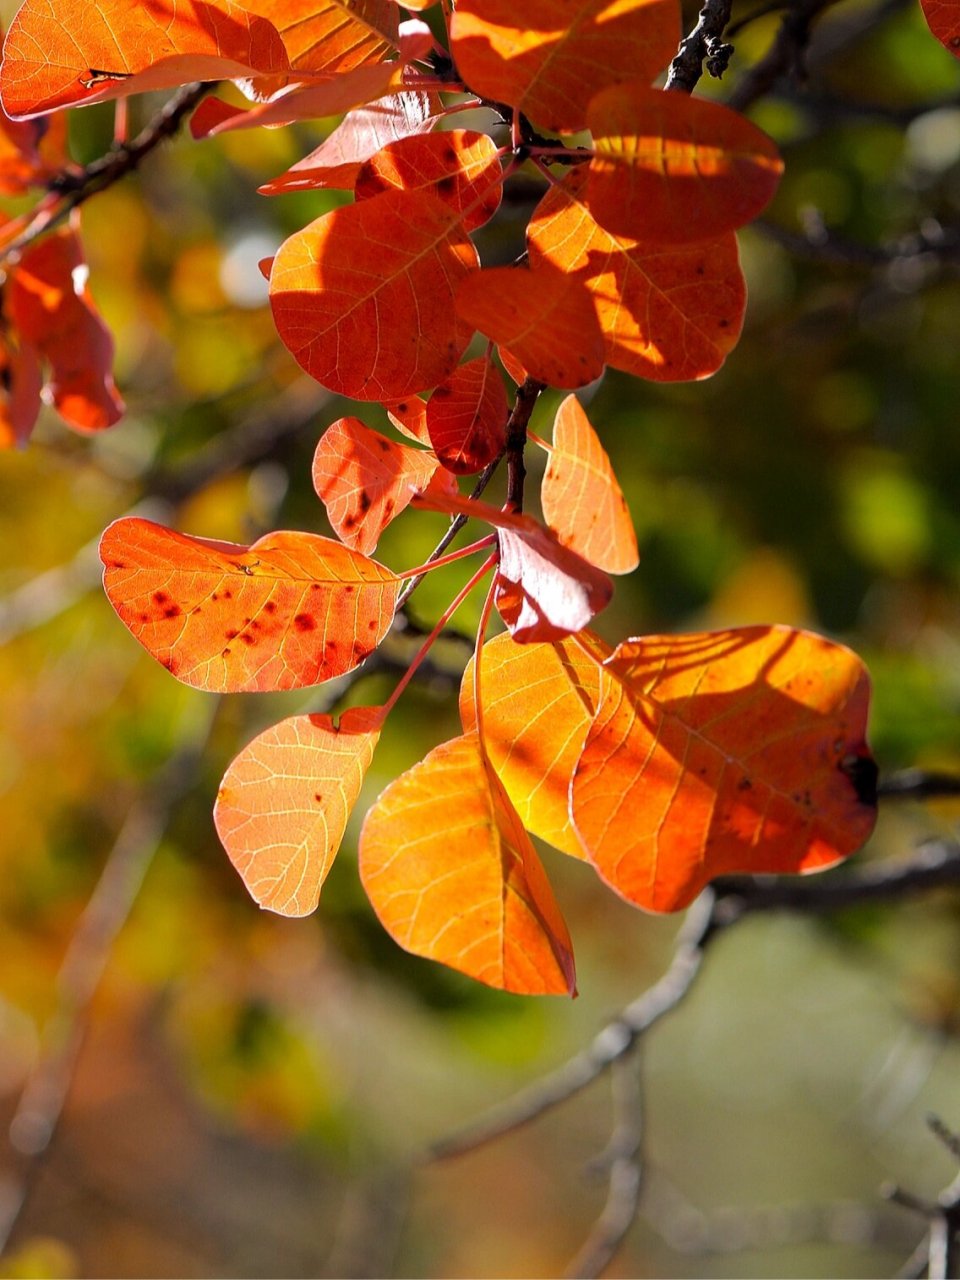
{"points": [[242, 1089]]}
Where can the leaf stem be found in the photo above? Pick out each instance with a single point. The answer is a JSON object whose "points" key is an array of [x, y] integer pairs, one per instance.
{"points": [[430, 565]]}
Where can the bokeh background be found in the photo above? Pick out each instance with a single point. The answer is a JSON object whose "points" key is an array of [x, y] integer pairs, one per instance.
{"points": [[245, 1087]]}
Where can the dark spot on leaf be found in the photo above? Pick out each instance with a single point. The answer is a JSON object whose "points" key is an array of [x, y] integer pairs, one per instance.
{"points": [[402, 408], [349, 590], [388, 507], [144, 617], [384, 444], [446, 185], [118, 564], [228, 594], [231, 635], [318, 797], [372, 624], [744, 784], [441, 393], [366, 502], [724, 324], [954, 42], [331, 645], [256, 624], [247, 638], [172, 611], [270, 607], [224, 653], [304, 622], [214, 596], [360, 650], [161, 597], [314, 586], [349, 522]]}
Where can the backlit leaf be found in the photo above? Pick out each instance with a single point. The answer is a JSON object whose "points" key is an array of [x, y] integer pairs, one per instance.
{"points": [[336, 162], [53, 312], [332, 35], [364, 480], [363, 297], [538, 702], [291, 610], [730, 751], [458, 166], [453, 876], [543, 590], [582, 502], [545, 319], [467, 417], [284, 802], [671, 168], [20, 400], [59, 55], [31, 151], [410, 417], [667, 312], [549, 57], [943, 19]]}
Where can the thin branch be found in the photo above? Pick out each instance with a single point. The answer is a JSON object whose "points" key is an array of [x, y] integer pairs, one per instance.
{"points": [[704, 46], [787, 56]]}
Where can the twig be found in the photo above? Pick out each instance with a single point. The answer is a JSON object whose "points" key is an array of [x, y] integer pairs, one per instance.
{"points": [[786, 56], [704, 45], [37, 1116]]}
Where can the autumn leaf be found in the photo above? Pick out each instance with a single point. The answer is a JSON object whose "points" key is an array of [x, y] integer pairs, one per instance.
{"points": [[291, 610], [336, 162], [943, 19], [58, 55], [458, 166], [365, 480], [467, 417], [671, 168], [453, 876], [582, 502], [409, 416], [538, 703], [667, 312], [544, 318], [31, 151], [332, 35], [543, 591], [284, 803], [53, 313], [731, 751], [22, 383], [549, 57], [346, 289]]}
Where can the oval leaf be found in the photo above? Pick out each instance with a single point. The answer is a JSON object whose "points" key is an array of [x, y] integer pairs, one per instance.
{"points": [[667, 312], [284, 802], [458, 166], [467, 417], [364, 480], [291, 610], [671, 168], [346, 289], [548, 57], [453, 876], [582, 502], [59, 55], [721, 752]]}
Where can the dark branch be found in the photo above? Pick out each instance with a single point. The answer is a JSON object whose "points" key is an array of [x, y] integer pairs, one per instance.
{"points": [[703, 46]]}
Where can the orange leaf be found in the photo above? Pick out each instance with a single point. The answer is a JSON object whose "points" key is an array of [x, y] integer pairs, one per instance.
{"points": [[458, 166], [410, 417], [31, 151], [549, 57], [332, 35], [582, 502], [667, 312], [538, 702], [453, 876], [58, 55], [943, 19], [20, 405], [671, 168], [543, 590], [467, 417], [719, 752], [284, 802], [52, 310], [363, 297], [364, 480], [291, 610], [336, 162], [545, 318]]}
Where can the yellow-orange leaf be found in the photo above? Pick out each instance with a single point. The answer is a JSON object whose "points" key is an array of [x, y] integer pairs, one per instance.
{"points": [[364, 480], [284, 802], [721, 752], [336, 162], [453, 876], [410, 417], [363, 297], [667, 312], [549, 57], [53, 313], [458, 166], [545, 319], [582, 502], [60, 55], [291, 610], [671, 168], [332, 35], [467, 417], [538, 702]]}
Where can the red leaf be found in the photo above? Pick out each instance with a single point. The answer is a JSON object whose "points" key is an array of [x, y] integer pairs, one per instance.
{"points": [[365, 480], [68, 55], [467, 417], [544, 318], [19, 407], [671, 168], [453, 876], [291, 610], [458, 166], [410, 417], [730, 751], [582, 501], [52, 310], [284, 803], [363, 297]]}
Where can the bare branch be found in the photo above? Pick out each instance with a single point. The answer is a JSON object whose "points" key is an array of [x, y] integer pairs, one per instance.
{"points": [[703, 46]]}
